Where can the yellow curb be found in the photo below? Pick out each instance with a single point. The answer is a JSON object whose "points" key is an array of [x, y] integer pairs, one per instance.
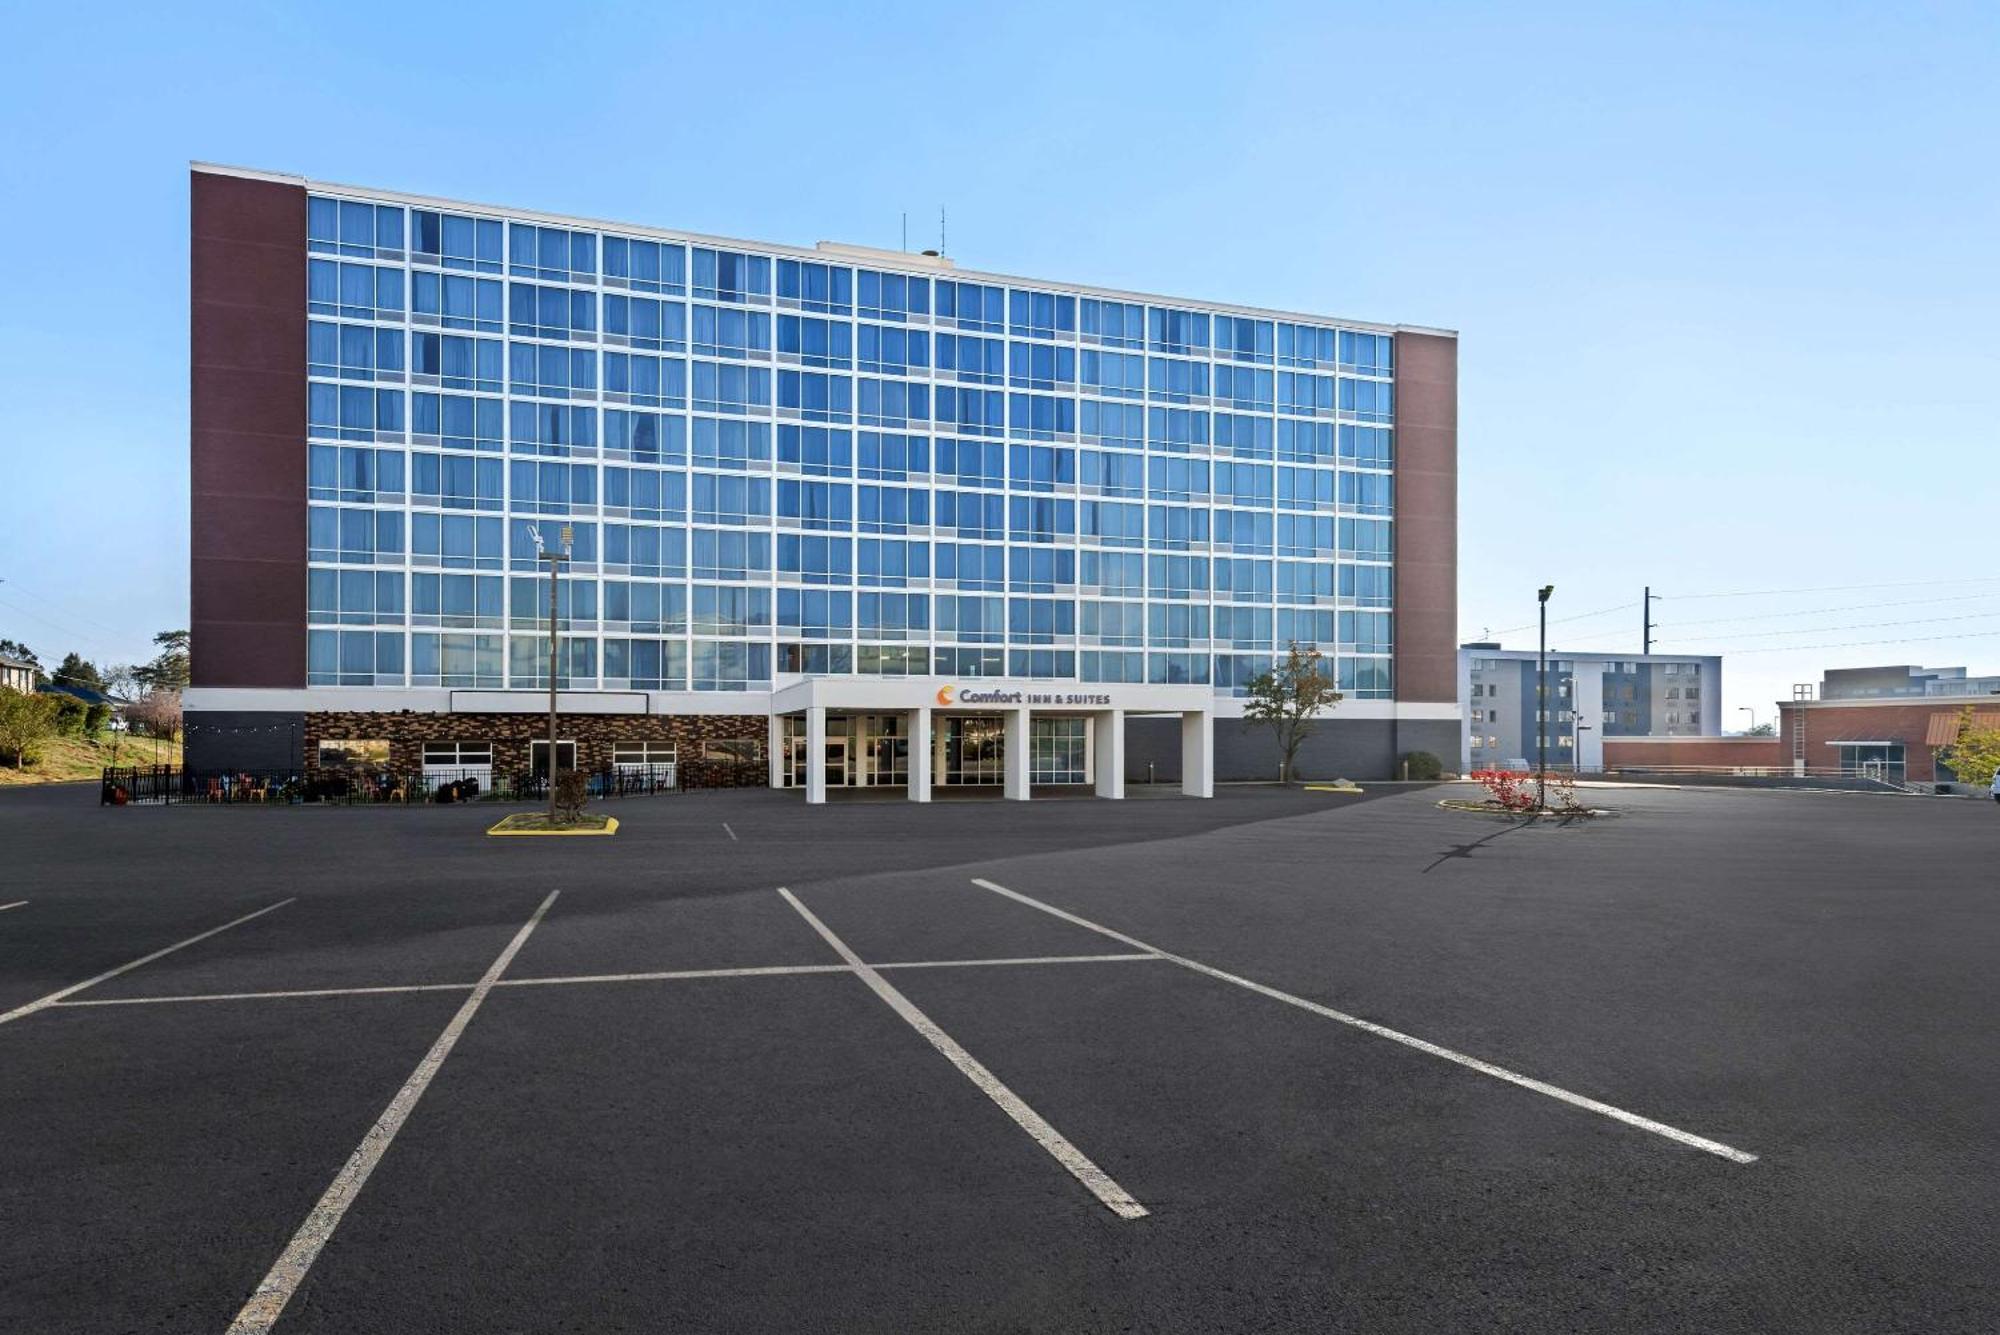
{"points": [[610, 827], [1333, 788]]}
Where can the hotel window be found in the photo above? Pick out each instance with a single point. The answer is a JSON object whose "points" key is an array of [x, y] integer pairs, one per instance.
{"points": [[356, 291], [892, 296], [889, 563], [1112, 423], [1039, 366], [893, 457], [805, 285], [724, 554], [1303, 345], [971, 306], [816, 397], [731, 665], [644, 322], [457, 302], [818, 450], [722, 388], [551, 428], [731, 610], [646, 437], [455, 241], [1041, 314], [893, 403], [722, 275], [893, 351], [644, 266], [1367, 354], [551, 312], [806, 341], [347, 227], [720, 332], [1238, 338], [813, 559], [1184, 332], [1115, 324]]}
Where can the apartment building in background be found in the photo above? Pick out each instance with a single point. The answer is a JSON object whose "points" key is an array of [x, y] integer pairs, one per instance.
{"points": [[1592, 697], [863, 516]]}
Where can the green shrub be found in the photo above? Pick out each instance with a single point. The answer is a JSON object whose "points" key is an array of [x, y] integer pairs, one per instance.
{"points": [[1421, 765]]}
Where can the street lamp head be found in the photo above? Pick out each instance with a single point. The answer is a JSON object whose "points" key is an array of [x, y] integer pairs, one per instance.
{"points": [[1543, 595], [568, 536], [535, 533]]}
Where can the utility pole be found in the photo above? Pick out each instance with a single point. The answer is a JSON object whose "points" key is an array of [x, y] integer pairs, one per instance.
{"points": [[1646, 622], [555, 560], [1542, 702]]}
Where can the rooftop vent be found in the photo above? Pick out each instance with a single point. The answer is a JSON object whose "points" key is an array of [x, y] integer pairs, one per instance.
{"points": [[929, 259]]}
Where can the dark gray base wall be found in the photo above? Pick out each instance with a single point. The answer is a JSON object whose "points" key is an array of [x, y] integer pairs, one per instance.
{"points": [[232, 739], [1336, 748]]}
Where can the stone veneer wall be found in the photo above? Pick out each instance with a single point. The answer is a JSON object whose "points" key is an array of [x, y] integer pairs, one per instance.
{"points": [[510, 734]]}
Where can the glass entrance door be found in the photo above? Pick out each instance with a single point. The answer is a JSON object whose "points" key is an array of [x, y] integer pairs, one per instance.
{"points": [[837, 773]]}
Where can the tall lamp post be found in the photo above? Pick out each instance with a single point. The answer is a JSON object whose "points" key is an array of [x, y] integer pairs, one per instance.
{"points": [[555, 560], [1753, 716], [1542, 702]]}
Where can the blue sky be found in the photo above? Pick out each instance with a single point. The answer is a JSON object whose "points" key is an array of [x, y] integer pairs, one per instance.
{"points": [[1725, 276]]}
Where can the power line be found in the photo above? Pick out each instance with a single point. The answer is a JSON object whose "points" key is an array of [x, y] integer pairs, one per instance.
{"points": [[1851, 644], [1844, 607], [1853, 625], [1834, 588], [1580, 616]]}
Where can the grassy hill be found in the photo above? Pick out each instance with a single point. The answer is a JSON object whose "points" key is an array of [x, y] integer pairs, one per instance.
{"points": [[68, 759]]}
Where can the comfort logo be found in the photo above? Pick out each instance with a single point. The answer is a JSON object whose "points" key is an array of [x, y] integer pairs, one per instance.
{"points": [[944, 695]]}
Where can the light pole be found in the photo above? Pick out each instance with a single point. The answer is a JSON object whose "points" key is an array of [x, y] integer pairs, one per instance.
{"points": [[1542, 701], [555, 560], [1746, 709]]}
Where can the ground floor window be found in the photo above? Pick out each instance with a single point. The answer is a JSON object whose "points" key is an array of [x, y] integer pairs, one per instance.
{"points": [[1057, 750], [1872, 760], [730, 750], [354, 754], [538, 756], [974, 750], [642, 755]]}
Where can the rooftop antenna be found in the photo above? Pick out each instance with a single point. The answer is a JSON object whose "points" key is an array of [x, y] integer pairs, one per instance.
{"points": [[941, 249]]}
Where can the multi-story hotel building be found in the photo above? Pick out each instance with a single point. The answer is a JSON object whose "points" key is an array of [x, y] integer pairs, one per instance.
{"points": [[865, 516], [1593, 698]]}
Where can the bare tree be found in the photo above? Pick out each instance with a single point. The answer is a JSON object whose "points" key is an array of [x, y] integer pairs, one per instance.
{"points": [[158, 712], [1288, 699]]}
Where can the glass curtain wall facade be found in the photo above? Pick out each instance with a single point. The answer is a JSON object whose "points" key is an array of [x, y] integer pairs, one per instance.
{"points": [[775, 465]]}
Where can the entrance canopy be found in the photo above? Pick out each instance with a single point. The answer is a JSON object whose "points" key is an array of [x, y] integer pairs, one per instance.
{"points": [[922, 699]]}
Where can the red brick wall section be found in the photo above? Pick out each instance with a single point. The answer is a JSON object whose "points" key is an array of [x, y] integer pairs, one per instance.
{"points": [[510, 734], [1704, 752], [1426, 518], [1904, 721], [247, 431]]}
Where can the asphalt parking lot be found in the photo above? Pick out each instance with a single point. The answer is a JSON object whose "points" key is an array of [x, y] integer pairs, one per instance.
{"points": [[1275, 1062]]}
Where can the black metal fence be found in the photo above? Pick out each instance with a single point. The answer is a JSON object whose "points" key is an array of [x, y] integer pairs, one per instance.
{"points": [[170, 786]]}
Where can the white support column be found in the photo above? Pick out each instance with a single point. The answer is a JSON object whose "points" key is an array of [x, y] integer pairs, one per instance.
{"points": [[774, 750], [1016, 757], [816, 754], [1108, 740], [919, 727], [1198, 754]]}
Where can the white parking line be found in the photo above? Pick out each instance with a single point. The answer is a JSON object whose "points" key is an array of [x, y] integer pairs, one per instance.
{"points": [[1715, 1147], [657, 976], [731, 833], [1027, 959], [268, 1302], [1099, 1183], [16, 904], [74, 988], [271, 996]]}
